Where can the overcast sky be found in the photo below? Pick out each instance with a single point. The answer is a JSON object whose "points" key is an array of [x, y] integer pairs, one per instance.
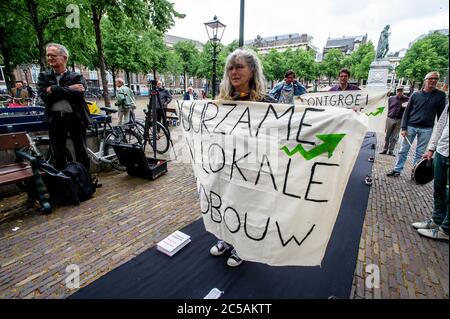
{"points": [[319, 18]]}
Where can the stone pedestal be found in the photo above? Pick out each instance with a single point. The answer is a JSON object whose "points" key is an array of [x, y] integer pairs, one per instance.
{"points": [[378, 74]]}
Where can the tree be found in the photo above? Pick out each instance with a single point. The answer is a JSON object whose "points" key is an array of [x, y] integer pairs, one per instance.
{"points": [[79, 38], [119, 48], [39, 15], [305, 65], [331, 64], [359, 61], [273, 65], [152, 54], [173, 65], [13, 50], [156, 13], [425, 55], [188, 56]]}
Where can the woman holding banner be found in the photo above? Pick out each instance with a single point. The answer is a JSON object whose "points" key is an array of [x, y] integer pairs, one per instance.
{"points": [[243, 80]]}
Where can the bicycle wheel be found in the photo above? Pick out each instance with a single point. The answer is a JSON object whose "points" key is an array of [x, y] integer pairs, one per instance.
{"points": [[128, 137], [162, 137]]}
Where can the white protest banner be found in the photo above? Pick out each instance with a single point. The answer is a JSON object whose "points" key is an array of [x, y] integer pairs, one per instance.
{"points": [[271, 178], [373, 103]]}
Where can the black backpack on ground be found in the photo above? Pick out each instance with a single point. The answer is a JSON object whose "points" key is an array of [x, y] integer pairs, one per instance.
{"points": [[81, 179], [60, 187]]}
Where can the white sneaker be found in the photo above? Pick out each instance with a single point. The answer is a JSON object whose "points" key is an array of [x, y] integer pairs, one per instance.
{"points": [[426, 224], [219, 248], [436, 233], [234, 260]]}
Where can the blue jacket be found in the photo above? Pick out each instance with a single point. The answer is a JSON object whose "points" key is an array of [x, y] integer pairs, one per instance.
{"points": [[298, 89]]}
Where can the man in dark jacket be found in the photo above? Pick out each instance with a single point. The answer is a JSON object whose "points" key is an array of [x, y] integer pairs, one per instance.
{"points": [[166, 98], [423, 108], [66, 111]]}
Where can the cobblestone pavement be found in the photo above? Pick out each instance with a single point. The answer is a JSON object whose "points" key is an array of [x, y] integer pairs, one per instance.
{"points": [[124, 218], [128, 216], [410, 266]]}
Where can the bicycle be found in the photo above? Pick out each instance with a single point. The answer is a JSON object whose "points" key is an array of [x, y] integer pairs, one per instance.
{"points": [[110, 135], [162, 133]]}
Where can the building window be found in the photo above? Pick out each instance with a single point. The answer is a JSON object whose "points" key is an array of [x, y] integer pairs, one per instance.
{"points": [[35, 70], [93, 75]]}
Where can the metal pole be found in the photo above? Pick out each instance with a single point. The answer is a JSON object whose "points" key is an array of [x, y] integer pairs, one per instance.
{"points": [[241, 25], [214, 72]]}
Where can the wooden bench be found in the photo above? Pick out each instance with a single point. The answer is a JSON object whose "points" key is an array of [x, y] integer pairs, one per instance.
{"points": [[24, 170]]}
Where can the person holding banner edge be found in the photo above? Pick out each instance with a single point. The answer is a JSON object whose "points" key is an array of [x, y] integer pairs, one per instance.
{"points": [[243, 80], [418, 120], [344, 76]]}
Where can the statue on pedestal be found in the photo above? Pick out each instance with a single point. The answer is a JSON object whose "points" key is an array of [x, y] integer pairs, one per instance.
{"points": [[383, 43]]}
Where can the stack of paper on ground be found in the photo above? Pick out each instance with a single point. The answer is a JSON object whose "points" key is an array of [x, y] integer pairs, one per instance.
{"points": [[173, 243]]}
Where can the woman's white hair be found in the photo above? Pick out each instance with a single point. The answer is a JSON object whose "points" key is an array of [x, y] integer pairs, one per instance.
{"points": [[257, 82]]}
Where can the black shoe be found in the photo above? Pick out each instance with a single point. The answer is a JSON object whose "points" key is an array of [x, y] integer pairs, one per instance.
{"points": [[384, 152], [393, 174], [391, 154]]}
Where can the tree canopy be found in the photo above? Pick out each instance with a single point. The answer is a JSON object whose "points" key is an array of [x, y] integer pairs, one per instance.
{"points": [[425, 55]]}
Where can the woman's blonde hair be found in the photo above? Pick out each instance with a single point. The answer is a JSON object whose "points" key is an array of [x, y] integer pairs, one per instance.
{"points": [[257, 82]]}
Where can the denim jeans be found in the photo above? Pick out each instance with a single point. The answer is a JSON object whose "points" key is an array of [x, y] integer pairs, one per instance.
{"points": [[423, 137], [440, 212]]}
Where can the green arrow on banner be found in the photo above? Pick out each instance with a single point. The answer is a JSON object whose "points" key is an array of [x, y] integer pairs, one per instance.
{"points": [[330, 142], [378, 111]]}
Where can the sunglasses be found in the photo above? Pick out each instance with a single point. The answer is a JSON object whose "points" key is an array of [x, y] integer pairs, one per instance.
{"points": [[432, 79]]}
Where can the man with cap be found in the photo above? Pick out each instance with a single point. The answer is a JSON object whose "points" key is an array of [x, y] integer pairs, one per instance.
{"points": [[396, 107]]}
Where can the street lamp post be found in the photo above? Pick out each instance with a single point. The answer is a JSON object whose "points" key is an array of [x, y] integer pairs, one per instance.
{"points": [[215, 30]]}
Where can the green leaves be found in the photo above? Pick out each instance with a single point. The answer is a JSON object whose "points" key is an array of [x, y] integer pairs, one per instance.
{"points": [[425, 55], [332, 63], [360, 61], [188, 56]]}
